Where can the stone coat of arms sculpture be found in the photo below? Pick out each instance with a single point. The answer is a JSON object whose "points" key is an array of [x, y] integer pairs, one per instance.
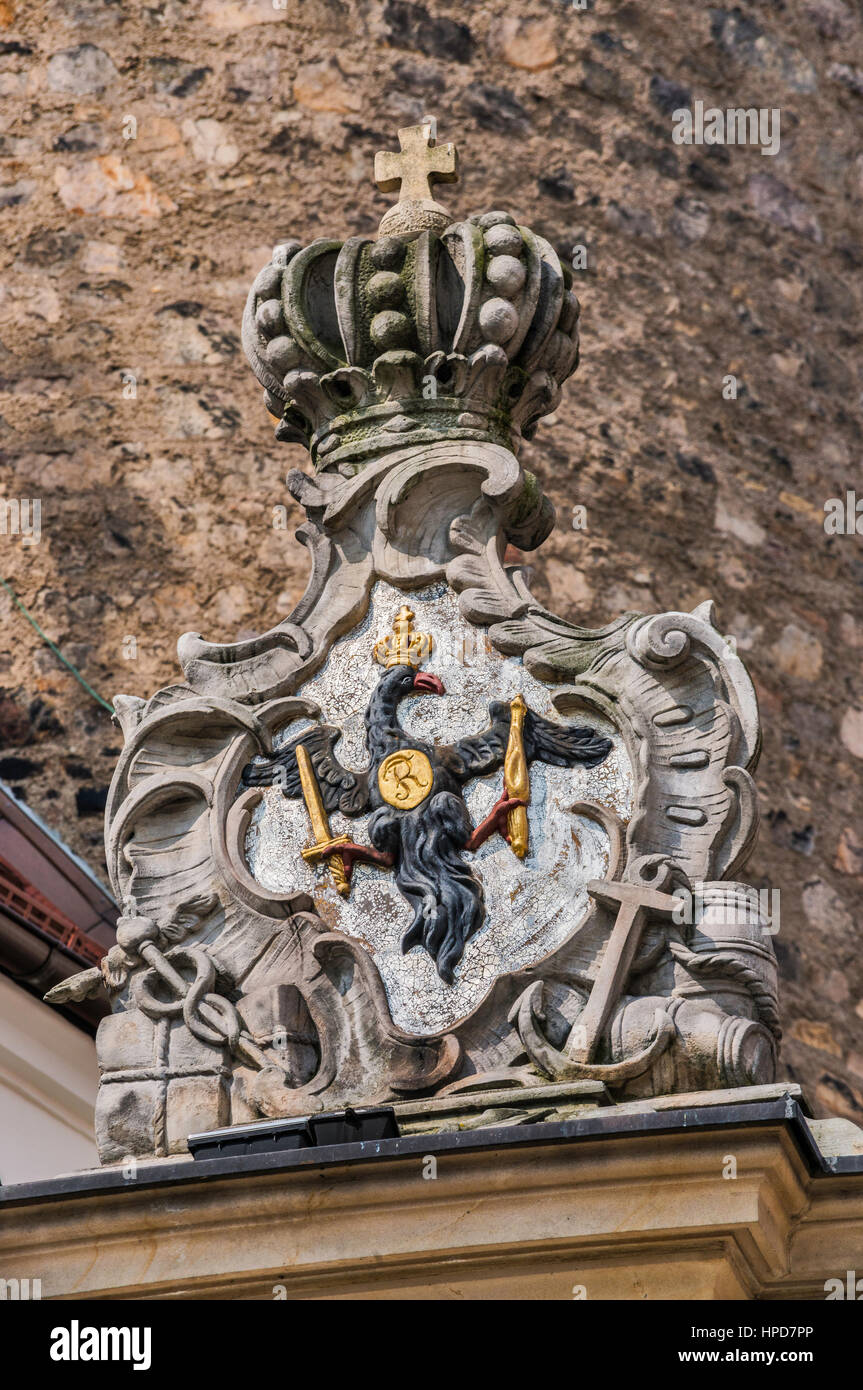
{"points": [[423, 837]]}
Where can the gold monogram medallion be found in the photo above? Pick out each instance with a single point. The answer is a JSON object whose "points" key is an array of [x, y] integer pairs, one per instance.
{"points": [[405, 778]]}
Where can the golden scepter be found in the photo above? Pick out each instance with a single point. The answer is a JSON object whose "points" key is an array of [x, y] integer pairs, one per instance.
{"points": [[516, 778], [320, 825]]}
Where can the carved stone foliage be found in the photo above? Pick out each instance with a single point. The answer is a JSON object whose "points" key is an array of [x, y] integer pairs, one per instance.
{"points": [[393, 521]]}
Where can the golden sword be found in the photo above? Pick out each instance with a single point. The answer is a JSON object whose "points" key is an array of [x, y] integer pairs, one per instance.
{"points": [[516, 777], [320, 825]]}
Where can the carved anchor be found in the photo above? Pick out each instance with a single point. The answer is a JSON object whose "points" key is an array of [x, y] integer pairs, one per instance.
{"points": [[635, 904]]}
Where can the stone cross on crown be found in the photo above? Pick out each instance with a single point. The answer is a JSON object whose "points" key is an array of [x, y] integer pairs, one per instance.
{"points": [[420, 163]]}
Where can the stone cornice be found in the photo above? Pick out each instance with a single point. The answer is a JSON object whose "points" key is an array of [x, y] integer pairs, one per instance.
{"points": [[627, 1205]]}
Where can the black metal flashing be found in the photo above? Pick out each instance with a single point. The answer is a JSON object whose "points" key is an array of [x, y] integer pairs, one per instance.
{"points": [[324, 1130], [783, 1113]]}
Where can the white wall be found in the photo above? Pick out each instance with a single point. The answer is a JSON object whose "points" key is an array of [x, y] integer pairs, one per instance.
{"points": [[48, 1084]]}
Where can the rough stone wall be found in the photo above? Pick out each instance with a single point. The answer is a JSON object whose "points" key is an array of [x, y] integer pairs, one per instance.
{"points": [[152, 153]]}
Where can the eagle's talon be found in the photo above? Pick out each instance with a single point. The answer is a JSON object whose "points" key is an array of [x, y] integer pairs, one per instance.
{"points": [[495, 822], [350, 852]]}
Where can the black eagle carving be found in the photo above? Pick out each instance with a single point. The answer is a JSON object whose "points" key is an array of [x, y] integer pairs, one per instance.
{"points": [[424, 844]]}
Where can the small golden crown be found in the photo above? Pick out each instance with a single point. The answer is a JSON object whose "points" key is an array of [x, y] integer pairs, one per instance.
{"points": [[403, 647]]}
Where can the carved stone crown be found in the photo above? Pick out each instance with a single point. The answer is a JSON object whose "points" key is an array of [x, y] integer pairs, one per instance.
{"points": [[367, 345], [404, 646]]}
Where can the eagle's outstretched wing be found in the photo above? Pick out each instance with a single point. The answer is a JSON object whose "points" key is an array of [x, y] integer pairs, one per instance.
{"points": [[341, 789], [563, 745]]}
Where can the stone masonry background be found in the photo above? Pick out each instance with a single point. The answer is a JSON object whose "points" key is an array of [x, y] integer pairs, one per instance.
{"points": [[257, 120]]}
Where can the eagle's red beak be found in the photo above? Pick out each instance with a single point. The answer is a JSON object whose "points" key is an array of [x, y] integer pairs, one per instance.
{"points": [[432, 685]]}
